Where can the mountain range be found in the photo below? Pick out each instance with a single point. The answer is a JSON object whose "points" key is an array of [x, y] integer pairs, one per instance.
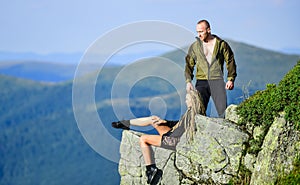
{"points": [[40, 139]]}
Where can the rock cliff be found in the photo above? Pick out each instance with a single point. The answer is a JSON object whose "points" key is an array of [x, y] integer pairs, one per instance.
{"points": [[216, 154]]}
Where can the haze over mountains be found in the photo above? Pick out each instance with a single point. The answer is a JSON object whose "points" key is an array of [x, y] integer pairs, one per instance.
{"points": [[74, 58], [40, 140], [61, 67]]}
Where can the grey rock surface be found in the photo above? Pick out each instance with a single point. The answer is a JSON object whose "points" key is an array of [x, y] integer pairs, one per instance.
{"points": [[215, 155], [212, 157]]}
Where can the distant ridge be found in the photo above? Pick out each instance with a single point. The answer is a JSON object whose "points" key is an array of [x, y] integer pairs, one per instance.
{"points": [[256, 66], [69, 58]]}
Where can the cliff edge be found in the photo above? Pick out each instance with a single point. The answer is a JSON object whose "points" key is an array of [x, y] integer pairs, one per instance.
{"points": [[216, 156]]}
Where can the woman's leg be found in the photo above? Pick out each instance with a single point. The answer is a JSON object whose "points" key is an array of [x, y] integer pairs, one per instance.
{"points": [[162, 129], [145, 121], [145, 142], [125, 124]]}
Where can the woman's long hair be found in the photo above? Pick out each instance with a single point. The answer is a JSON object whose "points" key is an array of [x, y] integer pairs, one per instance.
{"points": [[189, 117], [187, 121]]}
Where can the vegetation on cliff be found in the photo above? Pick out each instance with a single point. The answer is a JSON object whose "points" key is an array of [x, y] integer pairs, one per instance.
{"points": [[261, 109]]}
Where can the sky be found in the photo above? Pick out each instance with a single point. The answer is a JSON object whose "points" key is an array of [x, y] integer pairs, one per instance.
{"points": [[67, 26]]}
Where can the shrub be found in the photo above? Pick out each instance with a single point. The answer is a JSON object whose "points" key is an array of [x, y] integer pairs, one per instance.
{"points": [[261, 108]]}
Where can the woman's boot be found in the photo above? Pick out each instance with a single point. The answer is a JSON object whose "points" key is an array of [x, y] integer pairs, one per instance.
{"points": [[124, 124]]}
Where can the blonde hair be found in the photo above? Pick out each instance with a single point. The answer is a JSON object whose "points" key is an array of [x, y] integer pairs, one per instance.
{"points": [[189, 118]]}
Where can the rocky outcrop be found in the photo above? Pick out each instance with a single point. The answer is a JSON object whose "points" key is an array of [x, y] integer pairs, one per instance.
{"points": [[215, 155], [279, 149]]}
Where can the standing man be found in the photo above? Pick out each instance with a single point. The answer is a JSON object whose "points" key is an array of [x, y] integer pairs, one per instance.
{"points": [[207, 54]]}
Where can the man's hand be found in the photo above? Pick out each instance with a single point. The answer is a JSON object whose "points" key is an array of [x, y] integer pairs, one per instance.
{"points": [[189, 86], [229, 85]]}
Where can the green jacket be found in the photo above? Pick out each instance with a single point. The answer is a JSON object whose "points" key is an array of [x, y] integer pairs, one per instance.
{"points": [[195, 56]]}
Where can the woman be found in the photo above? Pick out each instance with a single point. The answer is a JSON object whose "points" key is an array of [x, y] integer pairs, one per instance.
{"points": [[169, 131]]}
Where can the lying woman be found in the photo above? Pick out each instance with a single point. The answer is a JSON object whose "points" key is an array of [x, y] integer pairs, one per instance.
{"points": [[169, 131]]}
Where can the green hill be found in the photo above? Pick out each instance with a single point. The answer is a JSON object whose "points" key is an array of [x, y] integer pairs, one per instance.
{"points": [[40, 140], [39, 70], [260, 66]]}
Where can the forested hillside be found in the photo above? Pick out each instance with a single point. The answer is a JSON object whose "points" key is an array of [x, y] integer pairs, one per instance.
{"points": [[40, 140]]}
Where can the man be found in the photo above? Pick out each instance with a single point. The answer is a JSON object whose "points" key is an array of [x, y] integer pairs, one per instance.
{"points": [[207, 55]]}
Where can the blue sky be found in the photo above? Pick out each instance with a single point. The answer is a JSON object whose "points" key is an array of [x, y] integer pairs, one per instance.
{"points": [[44, 26]]}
